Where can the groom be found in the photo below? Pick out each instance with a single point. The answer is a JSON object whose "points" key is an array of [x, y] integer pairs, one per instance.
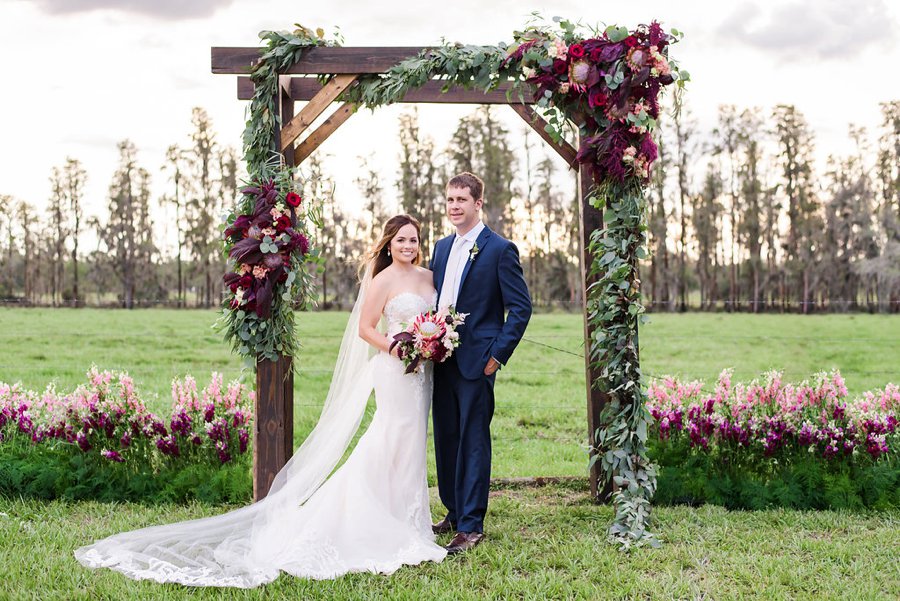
{"points": [[478, 272]]}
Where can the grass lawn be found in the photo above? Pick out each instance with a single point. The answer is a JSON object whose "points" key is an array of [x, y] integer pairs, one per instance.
{"points": [[544, 542]]}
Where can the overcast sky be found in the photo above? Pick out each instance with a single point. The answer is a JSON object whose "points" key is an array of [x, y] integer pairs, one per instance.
{"points": [[80, 75]]}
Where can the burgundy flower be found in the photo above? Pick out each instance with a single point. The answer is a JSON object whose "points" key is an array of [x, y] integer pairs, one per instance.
{"points": [[293, 199], [157, 427], [168, 446], [657, 36], [232, 280], [301, 242], [517, 53], [246, 281], [112, 456], [630, 41], [222, 451], [649, 151], [282, 223], [576, 51], [273, 261], [560, 66], [181, 423], [596, 98]]}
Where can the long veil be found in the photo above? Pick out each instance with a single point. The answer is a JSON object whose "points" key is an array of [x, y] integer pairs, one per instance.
{"points": [[230, 549]]}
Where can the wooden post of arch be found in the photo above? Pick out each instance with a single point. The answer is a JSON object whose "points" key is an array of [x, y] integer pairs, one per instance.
{"points": [[273, 442]]}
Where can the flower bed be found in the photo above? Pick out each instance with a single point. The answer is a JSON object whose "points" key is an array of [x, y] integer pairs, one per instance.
{"points": [[100, 441], [775, 443]]}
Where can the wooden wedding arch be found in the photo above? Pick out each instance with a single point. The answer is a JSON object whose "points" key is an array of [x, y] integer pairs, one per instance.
{"points": [[273, 441]]}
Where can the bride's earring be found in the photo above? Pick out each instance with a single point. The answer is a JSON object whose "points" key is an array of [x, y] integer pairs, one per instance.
{"points": [[389, 252]]}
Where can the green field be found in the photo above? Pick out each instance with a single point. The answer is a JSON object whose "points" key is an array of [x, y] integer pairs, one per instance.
{"points": [[543, 542]]}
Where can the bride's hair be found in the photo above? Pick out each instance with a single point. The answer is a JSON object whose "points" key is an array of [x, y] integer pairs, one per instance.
{"points": [[378, 256]]}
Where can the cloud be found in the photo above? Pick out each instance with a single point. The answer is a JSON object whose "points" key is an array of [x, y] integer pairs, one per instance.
{"points": [[170, 10], [827, 29]]}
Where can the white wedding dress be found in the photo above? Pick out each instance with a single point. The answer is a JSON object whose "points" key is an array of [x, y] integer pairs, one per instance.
{"points": [[371, 515]]}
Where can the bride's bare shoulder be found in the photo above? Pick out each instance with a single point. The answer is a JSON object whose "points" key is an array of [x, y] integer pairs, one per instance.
{"points": [[381, 281]]}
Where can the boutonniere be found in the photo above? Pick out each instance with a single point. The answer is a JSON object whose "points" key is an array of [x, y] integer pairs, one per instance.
{"points": [[473, 252]]}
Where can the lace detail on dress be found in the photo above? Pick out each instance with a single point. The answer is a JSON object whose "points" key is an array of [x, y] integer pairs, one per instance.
{"points": [[403, 308]]}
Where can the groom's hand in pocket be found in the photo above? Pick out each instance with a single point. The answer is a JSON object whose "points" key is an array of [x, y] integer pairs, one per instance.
{"points": [[492, 366]]}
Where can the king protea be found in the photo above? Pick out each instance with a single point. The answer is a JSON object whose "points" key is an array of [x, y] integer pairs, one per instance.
{"points": [[431, 336]]}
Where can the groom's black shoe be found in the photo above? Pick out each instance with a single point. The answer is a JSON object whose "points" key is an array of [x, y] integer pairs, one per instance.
{"points": [[464, 541], [444, 526]]}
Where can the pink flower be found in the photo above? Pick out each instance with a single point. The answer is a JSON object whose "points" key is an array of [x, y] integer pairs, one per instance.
{"points": [[579, 74], [636, 58], [259, 272]]}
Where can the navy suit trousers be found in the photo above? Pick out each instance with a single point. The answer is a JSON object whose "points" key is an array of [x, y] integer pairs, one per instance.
{"points": [[462, 412]]}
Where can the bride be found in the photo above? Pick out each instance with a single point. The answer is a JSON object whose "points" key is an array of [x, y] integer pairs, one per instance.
{"points": [[372, 514]]}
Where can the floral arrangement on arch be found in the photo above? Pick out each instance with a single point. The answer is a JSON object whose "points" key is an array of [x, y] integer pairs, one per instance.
{"points": [[612, 80], [264, 243], [268, 246]]}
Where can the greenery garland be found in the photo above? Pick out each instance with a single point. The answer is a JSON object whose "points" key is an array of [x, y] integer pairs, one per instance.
{"points": [[271, 263], [608, 82]]}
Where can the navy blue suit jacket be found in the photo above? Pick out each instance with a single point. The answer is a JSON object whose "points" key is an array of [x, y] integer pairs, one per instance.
{"points": [[492, 283]]}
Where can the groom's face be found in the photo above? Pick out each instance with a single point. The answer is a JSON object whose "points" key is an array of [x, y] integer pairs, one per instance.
{"points": [[463, 210]]}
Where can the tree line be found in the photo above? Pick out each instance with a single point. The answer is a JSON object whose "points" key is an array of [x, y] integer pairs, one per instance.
{"points": [[739, 217], [754, 226], [44, 261]]}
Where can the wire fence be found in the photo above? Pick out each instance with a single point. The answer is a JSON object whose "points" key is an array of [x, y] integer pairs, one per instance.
{"points": [[674, 305]]}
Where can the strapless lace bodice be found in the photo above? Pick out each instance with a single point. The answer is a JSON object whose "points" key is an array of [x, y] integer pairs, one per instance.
{"points": [[403, 308]]}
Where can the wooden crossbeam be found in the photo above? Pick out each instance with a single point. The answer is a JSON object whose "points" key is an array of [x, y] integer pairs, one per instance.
{"points": [[537, 123], [328, 127], [305, 88], [314, 108], [317, 61]]}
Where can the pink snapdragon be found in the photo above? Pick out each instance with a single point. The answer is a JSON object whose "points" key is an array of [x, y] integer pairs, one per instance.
{"points": [[772, 416]]}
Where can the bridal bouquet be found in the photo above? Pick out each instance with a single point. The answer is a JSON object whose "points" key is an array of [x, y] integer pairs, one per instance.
{"points": [[431, 336]]}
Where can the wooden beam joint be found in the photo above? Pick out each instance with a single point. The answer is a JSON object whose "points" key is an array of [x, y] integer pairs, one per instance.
{"points": [[328, 127], [316, 106], [537, 123]]}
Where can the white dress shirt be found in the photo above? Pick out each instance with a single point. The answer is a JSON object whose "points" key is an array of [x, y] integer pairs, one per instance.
{"points": [[456, 263]]}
